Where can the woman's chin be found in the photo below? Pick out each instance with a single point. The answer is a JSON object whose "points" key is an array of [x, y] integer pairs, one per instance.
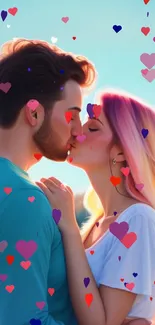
{"points": [[71, 159]]}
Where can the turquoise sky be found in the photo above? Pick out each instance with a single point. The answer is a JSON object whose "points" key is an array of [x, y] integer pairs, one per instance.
{"points": [[116, 55]]}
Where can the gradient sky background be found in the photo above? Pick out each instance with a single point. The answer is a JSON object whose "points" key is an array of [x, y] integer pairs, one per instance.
{"points": [[116, 56]]}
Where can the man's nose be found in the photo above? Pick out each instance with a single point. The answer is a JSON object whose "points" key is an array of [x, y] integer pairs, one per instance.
{"points": [[76, 130]]}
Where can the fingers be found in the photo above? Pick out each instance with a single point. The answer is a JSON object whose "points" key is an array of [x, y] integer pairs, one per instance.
{"points": [[44, 189], [50, 184]]}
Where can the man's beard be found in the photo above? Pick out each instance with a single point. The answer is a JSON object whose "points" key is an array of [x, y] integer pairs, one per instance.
{"points": [[49, 143]]}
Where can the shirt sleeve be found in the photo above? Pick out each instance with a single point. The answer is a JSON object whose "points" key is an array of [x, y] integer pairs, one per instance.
{"points": [[27, 229], [130, 265]]}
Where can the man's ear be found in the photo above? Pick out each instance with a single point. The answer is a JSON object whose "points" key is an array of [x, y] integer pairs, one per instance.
{"points": [[117, 154]]}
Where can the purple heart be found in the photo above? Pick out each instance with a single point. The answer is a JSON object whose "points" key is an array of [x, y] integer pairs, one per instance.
{"points": [[119, 258], [90, 110], [86, 282], [125, 283], [35, 321], [115, 212], [97, 224], [134, 274], [56, 215], [144, 133], [4, 14], [119, 229], [3, 277], [117, 28]]}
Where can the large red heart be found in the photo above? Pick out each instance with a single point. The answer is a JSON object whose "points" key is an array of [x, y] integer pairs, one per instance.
{"points": [[129, 239], [12, 11]]}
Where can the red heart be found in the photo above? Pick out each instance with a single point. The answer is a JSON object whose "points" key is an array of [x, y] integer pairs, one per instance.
{"points": [[70, 159], [97, 110], [151, 298], [88, 299], [92, 252], [115, 180], [10, 259], [122, 280], [51, 291], [38, 156], [12, 11], [146, 2], [145, 30], [74, 37], [68, 116], [129, 239], [7, 190]]}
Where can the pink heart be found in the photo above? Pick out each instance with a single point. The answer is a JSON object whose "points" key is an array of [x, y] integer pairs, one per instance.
{"points": [[10, 288], [25, 264], [26, 249], [3, 277], [7, 190], [125, 171], [144, 71], [97, 110], [3, 246], [150, 76], [139, 187], [119, 229], [31, 198], [40, 304], [148, 60], [81, 138], [65, 19], [51, 291], [5, 87], [33, 104], [129, 239], [130, 286]]}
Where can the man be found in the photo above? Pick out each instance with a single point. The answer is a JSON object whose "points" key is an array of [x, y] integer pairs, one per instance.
{"points": [[40, 102]]}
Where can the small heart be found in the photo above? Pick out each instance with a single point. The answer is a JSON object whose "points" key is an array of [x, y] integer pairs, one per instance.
{"points": [[56, 215], [125, 283], [130, 286], [4, 14], [74, 38], [34, 321], [97, 224], [90, 110], [81, 138], [3, 246], [115, 180], [119, 230], [10, 259], [33, 104], [3, 277], [92, 252], [31, 198], [139, 187], [8, 26], [145, 132], [26, 249], [86, 282], [65, 19], [117, 28], [115, 213], [5, 87], [134, 274], [68, 116], [54, 40], [51, 291], [7, 190], [151, 298], [146, 1], [70, 159], [97, 110], [119, 258], [125, 171], [25, 264], [40, 304], [145, 30], [144, 71], [88, 299], [129, 239], [38, 156], [12, 11], [9, 288], [153, 39], [122, 280]]}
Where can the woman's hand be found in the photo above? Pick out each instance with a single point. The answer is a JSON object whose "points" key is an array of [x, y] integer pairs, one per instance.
{"points": [[61, 198]]}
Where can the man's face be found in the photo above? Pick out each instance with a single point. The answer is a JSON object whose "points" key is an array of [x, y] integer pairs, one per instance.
{"points": [[55, 134]]}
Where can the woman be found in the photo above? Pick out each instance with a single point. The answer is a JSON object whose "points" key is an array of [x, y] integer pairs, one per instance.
{"points": [[111, 269]]}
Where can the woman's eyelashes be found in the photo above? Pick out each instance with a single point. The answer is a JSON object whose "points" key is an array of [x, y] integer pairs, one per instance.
{"points": [[92, 130]]}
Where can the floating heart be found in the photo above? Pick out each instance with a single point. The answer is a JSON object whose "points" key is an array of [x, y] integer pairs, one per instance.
{"points": [[119, 230], [81, 138], [92, 252], [97, 224], [26, 249], [115, 180], [7, 190], [88, 299], [4, 14], [31, 198], [40, 304], [139, 187], [56, 215], [54, 40], [38, 156], [10, 259], [3, 246], [74, 38], [70, 159], [125, 171], [33, 104], [145, 132], [5, 87], [130, 286], [145, 30], [119, 258], [3, 277], [117, 28], [65, 19], [144, 71], [134, 274], [146, 1], [90, 110], [151, 298], [86, 282], [115, 213], [9, 288], [150, 75], [97, 110], [25, 264], [148, 60], [34, 321], [68, 116], [122, 280], [51, 291], [13, 11], [129, 239]]}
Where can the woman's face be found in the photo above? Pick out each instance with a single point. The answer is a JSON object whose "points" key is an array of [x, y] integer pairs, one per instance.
{"points": [[93, 152]]}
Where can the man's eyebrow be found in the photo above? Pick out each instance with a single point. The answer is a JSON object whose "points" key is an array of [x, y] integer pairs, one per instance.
{"points": [[75, 108]]}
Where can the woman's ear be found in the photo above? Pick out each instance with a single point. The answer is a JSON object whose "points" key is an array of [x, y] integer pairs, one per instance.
{"points": [[117, 154]]}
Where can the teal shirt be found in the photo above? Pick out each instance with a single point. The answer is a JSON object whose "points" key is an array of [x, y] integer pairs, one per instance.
{"points": [[29, 238]]}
